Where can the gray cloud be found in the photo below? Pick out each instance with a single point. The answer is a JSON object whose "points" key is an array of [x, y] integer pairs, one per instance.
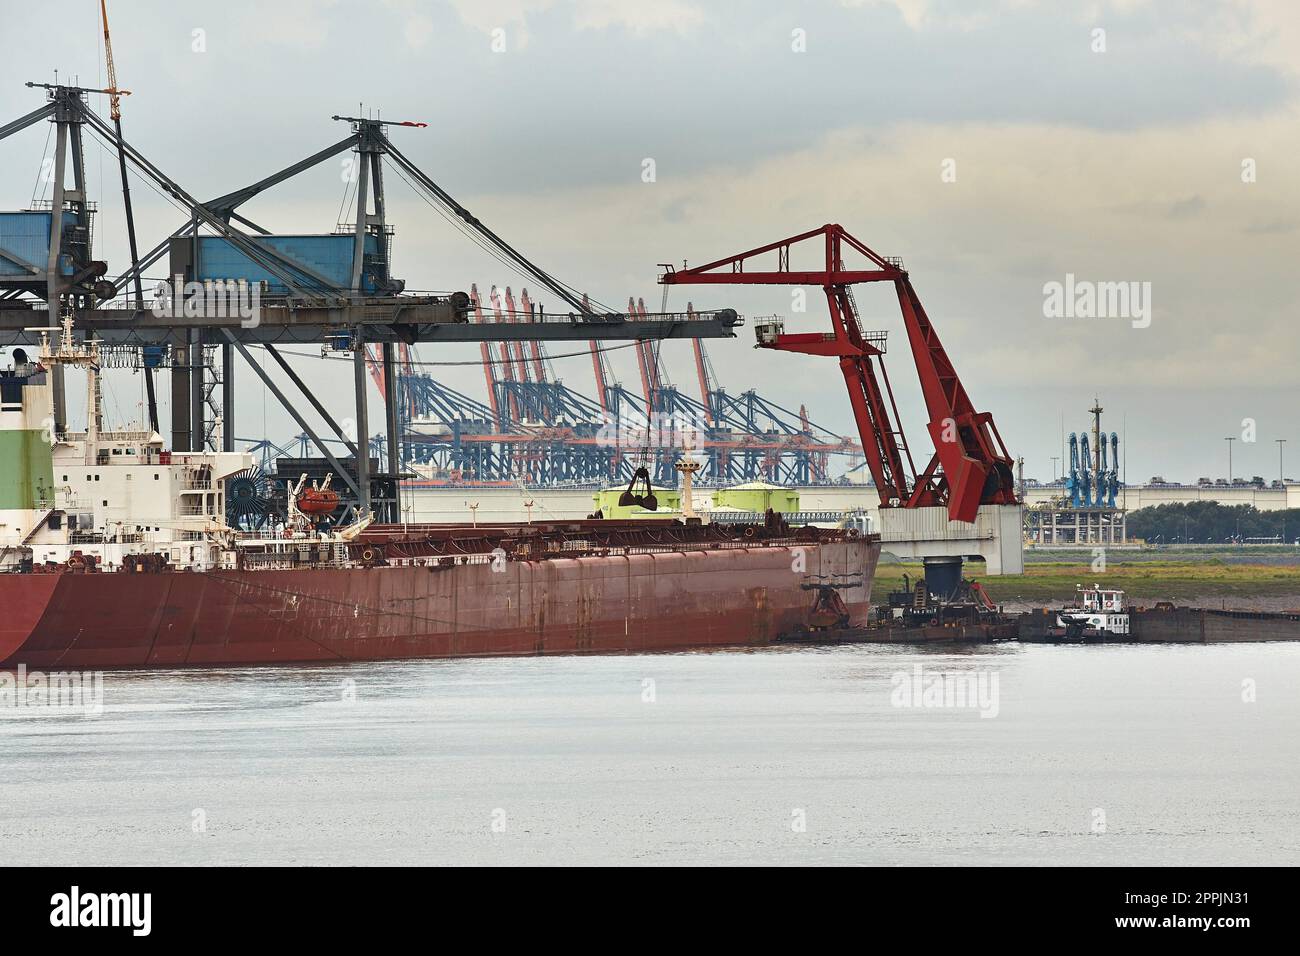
{"points": [[1118, 165]]}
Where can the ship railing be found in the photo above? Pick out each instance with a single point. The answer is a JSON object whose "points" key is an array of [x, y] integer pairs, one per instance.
{"points": [[283, 562], [269, 537], [128, 436], [281, 553], [192, 457], [792, 517], [710, 546], [580, 550], [289, 553], [142, 537]]}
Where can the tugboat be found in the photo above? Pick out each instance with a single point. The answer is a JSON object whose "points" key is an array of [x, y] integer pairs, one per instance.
{"points": [[1099, 615]]}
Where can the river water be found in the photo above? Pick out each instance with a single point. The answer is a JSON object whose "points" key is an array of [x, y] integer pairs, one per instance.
{"points": [[1103, 754]]}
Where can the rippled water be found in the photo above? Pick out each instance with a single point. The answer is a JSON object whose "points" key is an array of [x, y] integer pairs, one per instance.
{"points": [[687, 758]]}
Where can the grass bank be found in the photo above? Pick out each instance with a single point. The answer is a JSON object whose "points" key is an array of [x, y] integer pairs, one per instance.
{"points": [[1047, 582]]}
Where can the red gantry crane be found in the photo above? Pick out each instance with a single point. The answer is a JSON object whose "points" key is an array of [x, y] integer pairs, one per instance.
{"points": [[970, 465]]}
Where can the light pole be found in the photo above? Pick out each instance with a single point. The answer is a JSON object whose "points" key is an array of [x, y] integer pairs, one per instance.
{"points": [[1281, 480], [1054, 461], [1230, 440]]}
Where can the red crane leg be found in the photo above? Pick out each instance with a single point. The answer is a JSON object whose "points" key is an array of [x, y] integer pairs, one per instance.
{"points": [[376, 370], [539, 365], [854, 378], [975, 469], [507, 363], [643, 362], [517, 348], [489, 367], [602, 387]]}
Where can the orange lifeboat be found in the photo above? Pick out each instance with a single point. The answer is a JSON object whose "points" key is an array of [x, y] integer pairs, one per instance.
{"points": [[318, 501]]}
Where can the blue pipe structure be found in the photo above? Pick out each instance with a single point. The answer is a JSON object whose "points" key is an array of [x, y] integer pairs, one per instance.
{"points": [[1072, 483], [1085, 471]]}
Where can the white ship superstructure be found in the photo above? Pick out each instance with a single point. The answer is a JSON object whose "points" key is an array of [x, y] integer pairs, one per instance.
{"points": [[99, 496], [1101, 613]]}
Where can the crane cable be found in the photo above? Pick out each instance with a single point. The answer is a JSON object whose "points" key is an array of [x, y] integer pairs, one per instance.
{"points": [[448, 214]]}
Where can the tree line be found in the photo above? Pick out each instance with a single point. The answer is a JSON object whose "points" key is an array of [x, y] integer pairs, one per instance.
{"points": [[1208, 522]]}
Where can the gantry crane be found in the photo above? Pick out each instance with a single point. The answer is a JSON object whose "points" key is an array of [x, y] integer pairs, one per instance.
{"points": [[970, 465]]}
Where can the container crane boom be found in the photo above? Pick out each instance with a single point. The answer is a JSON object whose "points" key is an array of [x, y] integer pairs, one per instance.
{"points": [[489, 362], [601, 371], [702, 372], [538, 352]]}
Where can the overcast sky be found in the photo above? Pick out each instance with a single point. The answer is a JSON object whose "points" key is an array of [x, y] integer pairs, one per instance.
{"points": [[994, 146]]}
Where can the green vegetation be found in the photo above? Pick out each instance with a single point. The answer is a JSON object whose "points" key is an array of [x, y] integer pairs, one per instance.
{"points": [[1209, 521], [1049, 582]]}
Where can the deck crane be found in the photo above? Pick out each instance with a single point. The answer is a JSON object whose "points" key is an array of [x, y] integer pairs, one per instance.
{"points": [[115, 112], [970, 465]]}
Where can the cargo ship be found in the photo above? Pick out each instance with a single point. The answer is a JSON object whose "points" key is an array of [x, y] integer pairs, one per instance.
{"points": [[115, 553]]}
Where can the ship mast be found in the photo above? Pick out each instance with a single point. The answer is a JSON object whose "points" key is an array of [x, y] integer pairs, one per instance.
{"points": [[69, 352]]}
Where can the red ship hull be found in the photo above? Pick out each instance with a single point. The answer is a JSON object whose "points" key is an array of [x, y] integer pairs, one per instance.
{"points": [[630, 603]]}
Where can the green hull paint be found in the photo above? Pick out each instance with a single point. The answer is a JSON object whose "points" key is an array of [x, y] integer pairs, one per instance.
{"points": [[26, 470]]}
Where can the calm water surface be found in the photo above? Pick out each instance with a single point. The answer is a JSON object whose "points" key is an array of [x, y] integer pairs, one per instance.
{"points": [[774, 756]]}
